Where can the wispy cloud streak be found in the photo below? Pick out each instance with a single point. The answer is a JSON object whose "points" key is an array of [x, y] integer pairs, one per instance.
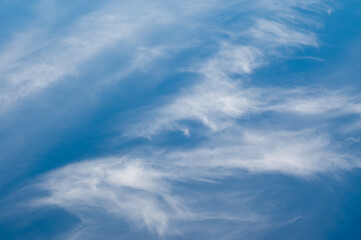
{"points": [[248, 129]]}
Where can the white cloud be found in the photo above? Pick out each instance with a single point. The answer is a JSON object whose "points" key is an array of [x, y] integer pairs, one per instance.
{"points": [[298, 153], [115, 187], [277, 33], [219, 97], [147, 190], [215, 104], [36, 58], [142, 190], [62, 56], [317, 104]]}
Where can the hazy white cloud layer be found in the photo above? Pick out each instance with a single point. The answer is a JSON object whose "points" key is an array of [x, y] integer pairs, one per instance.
{"points": [[32, 60], [246, 129]]}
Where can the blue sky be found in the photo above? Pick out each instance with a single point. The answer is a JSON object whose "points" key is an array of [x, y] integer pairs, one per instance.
{"points": [[180, 120]]}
